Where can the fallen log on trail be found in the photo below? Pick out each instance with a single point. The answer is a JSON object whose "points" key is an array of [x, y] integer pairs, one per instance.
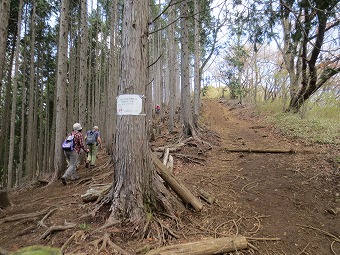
{"points": [[175, 185], [290, 151], [204, 247]]}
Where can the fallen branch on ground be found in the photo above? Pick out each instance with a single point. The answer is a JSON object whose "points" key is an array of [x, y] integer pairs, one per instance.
{"points": [[337, 239], [291, 151]]}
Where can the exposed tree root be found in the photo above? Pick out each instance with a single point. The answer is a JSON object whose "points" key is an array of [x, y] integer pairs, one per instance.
{"points": [[77, 235], [27, 216], [189, 158], [170, 231], [109, 223], [52, 229], [85, 181], [41, 222], [105, 243]]}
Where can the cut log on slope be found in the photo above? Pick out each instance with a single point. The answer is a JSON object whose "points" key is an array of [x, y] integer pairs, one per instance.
{"points": [[206, 196], [204, 247], [291, 151], [176, 186]]}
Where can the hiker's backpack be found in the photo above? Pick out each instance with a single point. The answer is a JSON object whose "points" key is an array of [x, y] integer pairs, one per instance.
{"points": [[68, 144], [91, 137]]}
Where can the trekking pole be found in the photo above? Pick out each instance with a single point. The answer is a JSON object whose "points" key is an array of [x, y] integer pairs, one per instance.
{"points": [[86, 164]]}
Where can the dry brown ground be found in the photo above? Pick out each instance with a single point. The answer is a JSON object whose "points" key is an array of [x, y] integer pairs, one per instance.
{"points": [[285, 203]]}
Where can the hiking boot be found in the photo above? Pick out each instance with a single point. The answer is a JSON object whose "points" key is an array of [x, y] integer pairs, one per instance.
{"points": [[63, 180]]}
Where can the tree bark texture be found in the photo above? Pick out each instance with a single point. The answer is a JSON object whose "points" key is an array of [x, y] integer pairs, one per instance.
{"points": [[4, 16], [30, 151], [132, 163], [83, 65], [60, 115], [186, 115], [197, 82], [14, 103], [172, 72]]}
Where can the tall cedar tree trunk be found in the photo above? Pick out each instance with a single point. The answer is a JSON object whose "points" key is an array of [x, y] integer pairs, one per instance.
{"points": [[20, 168], [186, 116], [5, 125], [132, 163], [112, 81], [14, 103], [4, 16], [197, 83], [60, 114], [172, 72], [72, 100], [83, 65], [30, 155]]}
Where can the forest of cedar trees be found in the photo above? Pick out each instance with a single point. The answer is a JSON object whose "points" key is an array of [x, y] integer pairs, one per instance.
{"points": [[66, 62]]}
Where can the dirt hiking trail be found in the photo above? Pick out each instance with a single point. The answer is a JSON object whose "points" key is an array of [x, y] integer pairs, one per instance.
{"points": [[285, 202]]}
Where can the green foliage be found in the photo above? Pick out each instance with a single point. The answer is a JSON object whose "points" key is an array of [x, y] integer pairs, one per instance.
{"points": [[320, 124], [211, 92], [38, 250], [85, 227]]}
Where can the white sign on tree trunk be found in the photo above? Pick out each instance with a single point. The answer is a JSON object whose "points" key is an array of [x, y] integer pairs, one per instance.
{"points": [[129, 104]]}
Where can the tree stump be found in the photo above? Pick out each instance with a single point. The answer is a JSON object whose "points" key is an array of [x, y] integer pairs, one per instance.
{"points": [[4, 200]]}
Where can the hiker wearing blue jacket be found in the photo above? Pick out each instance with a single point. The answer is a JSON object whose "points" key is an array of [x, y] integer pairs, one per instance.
{"points": [[93, 140]]}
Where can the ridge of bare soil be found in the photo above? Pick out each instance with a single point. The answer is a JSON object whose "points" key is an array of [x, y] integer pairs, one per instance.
{"points": [[284, 203]]}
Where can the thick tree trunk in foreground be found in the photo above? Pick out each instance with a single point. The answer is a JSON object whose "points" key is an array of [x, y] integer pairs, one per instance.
{"points": [[132, 168], [60, 119]]}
